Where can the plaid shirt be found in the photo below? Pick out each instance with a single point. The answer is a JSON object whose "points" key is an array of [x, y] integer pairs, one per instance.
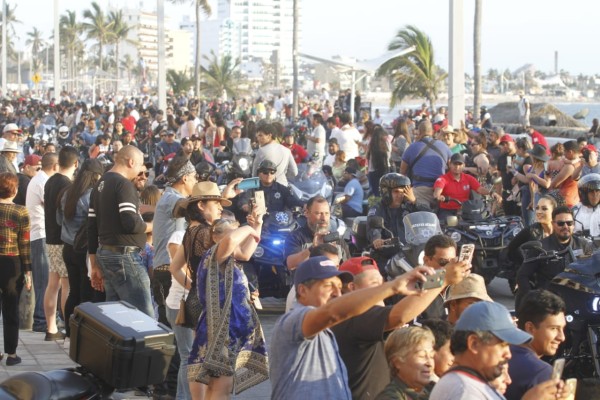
{"points": [[14, 233]]}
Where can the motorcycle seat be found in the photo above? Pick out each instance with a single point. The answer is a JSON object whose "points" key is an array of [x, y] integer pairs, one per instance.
{"points": [[52, 385]]}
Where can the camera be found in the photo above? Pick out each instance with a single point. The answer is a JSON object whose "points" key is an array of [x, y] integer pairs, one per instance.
{"points": [[331, 237]]}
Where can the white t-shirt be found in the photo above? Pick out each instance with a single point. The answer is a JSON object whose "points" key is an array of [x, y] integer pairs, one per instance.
{"points": [[34, 201], [312, 147], [176, 291], [290, 301], [347, 138]]}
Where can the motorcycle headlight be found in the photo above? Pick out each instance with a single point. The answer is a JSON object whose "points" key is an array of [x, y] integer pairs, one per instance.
{"points": [[341, 229], [455, 236], [276, 242], [516, 230], [243, 163], [259, 252], [595, 304]]}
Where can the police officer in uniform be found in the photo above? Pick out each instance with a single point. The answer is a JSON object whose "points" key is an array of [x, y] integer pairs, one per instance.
{"points": [[397, 200], [277, 196]]}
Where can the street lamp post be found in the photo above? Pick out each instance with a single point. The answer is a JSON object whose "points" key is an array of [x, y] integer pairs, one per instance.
{"points": [[57, 84], [162, 75], [4, 69]]}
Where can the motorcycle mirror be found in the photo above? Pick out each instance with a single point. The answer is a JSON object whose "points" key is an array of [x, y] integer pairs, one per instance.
{"points": [[375, 222]]}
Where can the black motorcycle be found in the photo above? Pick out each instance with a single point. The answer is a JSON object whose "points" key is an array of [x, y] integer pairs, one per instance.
{"points": [[490, 235], [579, 286]]}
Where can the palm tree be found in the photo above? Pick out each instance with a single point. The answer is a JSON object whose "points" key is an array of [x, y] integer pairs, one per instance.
{"points": [[222, 75], [204, 6], [120, 32], [477, 59], [36, 41], [128, 65], [11, 20], [70, 30], [295, 12], [415, 73], [179, 81], [98, 27]]}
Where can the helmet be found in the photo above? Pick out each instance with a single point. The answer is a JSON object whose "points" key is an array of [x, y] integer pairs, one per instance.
{"points": [[391, 181], [63, 132], [585, 185]]}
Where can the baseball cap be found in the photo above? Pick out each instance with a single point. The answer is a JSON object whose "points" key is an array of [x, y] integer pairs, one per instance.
{"points": [[170, 133], [589, 147], [491, 317], [472, 286], [32, 160], [507, 138], [11, 128], [358, 265], [267, 165], [319, 268], [457, 158]]}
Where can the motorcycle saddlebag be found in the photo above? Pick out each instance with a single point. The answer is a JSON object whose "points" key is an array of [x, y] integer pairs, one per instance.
{"points": [[120, 344]]}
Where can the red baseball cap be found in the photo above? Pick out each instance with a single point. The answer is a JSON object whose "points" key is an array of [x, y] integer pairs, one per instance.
{"points": [[358, 265], [507, 138], [590, 147], [33, 160]]}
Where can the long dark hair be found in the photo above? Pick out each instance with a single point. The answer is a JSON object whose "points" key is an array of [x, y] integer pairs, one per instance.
{"points": [[84, 180], [378, 149]]}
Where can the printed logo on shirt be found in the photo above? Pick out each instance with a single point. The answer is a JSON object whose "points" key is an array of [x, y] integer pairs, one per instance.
{"points": [[277, 195]]}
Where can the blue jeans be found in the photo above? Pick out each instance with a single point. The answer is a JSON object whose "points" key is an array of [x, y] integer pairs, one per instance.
{"points": [[39, 271], [185, 339], [126, 278]]}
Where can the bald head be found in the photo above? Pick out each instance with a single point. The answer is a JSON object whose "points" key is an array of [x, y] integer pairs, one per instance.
{"points": [[129, 153]]}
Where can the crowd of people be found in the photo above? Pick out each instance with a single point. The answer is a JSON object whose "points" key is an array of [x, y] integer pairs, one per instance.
{"points": [[83, 221]]}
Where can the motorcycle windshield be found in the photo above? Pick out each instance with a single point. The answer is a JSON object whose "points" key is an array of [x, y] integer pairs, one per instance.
{"points": [[420, 226], [309, 182]]}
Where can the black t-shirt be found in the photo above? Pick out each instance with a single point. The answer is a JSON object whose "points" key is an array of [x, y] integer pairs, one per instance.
{"points": [[114, 217], [360, 341], [53, 188], [23, 183]]}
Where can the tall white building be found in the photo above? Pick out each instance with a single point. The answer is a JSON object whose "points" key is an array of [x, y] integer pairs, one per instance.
{"points": [[250, 30]]}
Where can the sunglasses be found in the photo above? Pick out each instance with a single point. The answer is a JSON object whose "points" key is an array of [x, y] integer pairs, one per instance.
{"points": [[267, 172], [563, 223], [144, 173], [442, 262]]}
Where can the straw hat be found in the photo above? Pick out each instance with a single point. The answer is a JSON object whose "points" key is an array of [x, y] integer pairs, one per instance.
{"points": [[472, 286], [201, 191]]}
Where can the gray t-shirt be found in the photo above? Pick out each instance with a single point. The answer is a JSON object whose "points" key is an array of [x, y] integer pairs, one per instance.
{"points": [[164, 225], [302, 368], [460, 386]]}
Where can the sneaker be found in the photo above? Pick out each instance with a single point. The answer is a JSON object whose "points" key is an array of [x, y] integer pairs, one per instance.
{"points": [[54, 336], [13, 360]]}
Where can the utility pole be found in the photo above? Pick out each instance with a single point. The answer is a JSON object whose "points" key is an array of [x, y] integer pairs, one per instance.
{"points": [[456, 92], [57, 84], [4, 69], [162, 58]]}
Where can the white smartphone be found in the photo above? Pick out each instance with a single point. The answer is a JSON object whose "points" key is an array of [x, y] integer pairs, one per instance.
{"points": [[259, 199], [557, 368], [466, 252], [509, 162]]}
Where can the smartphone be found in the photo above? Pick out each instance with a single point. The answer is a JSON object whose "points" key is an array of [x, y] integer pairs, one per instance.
{"points": [[331, 237], [259, 200], [571, 385], [509, 162], [433, 281], [557, 368], [248, 184], [466, 252]]}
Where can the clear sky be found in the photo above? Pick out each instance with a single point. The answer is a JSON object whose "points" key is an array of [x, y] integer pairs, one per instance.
{"points": [[515, 32]]}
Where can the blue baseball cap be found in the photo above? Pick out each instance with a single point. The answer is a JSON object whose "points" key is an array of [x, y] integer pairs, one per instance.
{"points": [[319, 268], [492, 317]]}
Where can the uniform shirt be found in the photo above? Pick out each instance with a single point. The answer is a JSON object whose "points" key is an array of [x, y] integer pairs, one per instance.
{"points": [[459, 190], [431, 165], [35, 205], [356, 193], [114, 218], [277, 197]]}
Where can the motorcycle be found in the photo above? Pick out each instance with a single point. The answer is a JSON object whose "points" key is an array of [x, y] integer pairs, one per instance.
{"points": [[311, 181], [579, 286], [490, 235], [418, 227], [266, 267]]}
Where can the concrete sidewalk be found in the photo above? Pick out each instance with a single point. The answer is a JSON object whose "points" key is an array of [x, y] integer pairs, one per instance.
{"points": [[39, 355]]}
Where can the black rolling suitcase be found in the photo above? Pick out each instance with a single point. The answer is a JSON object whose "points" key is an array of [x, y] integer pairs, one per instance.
{"points": [[120, 344]]}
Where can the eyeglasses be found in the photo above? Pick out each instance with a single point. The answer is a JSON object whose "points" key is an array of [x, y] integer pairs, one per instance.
{"points": [[144, 173], [563, 223], [267, 172]]}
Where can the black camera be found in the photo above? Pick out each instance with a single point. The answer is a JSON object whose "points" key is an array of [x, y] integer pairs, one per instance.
{"points": [[331, 237]]}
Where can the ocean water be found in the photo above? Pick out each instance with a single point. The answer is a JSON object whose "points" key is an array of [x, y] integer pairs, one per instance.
{"points": [[568, 108]]}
